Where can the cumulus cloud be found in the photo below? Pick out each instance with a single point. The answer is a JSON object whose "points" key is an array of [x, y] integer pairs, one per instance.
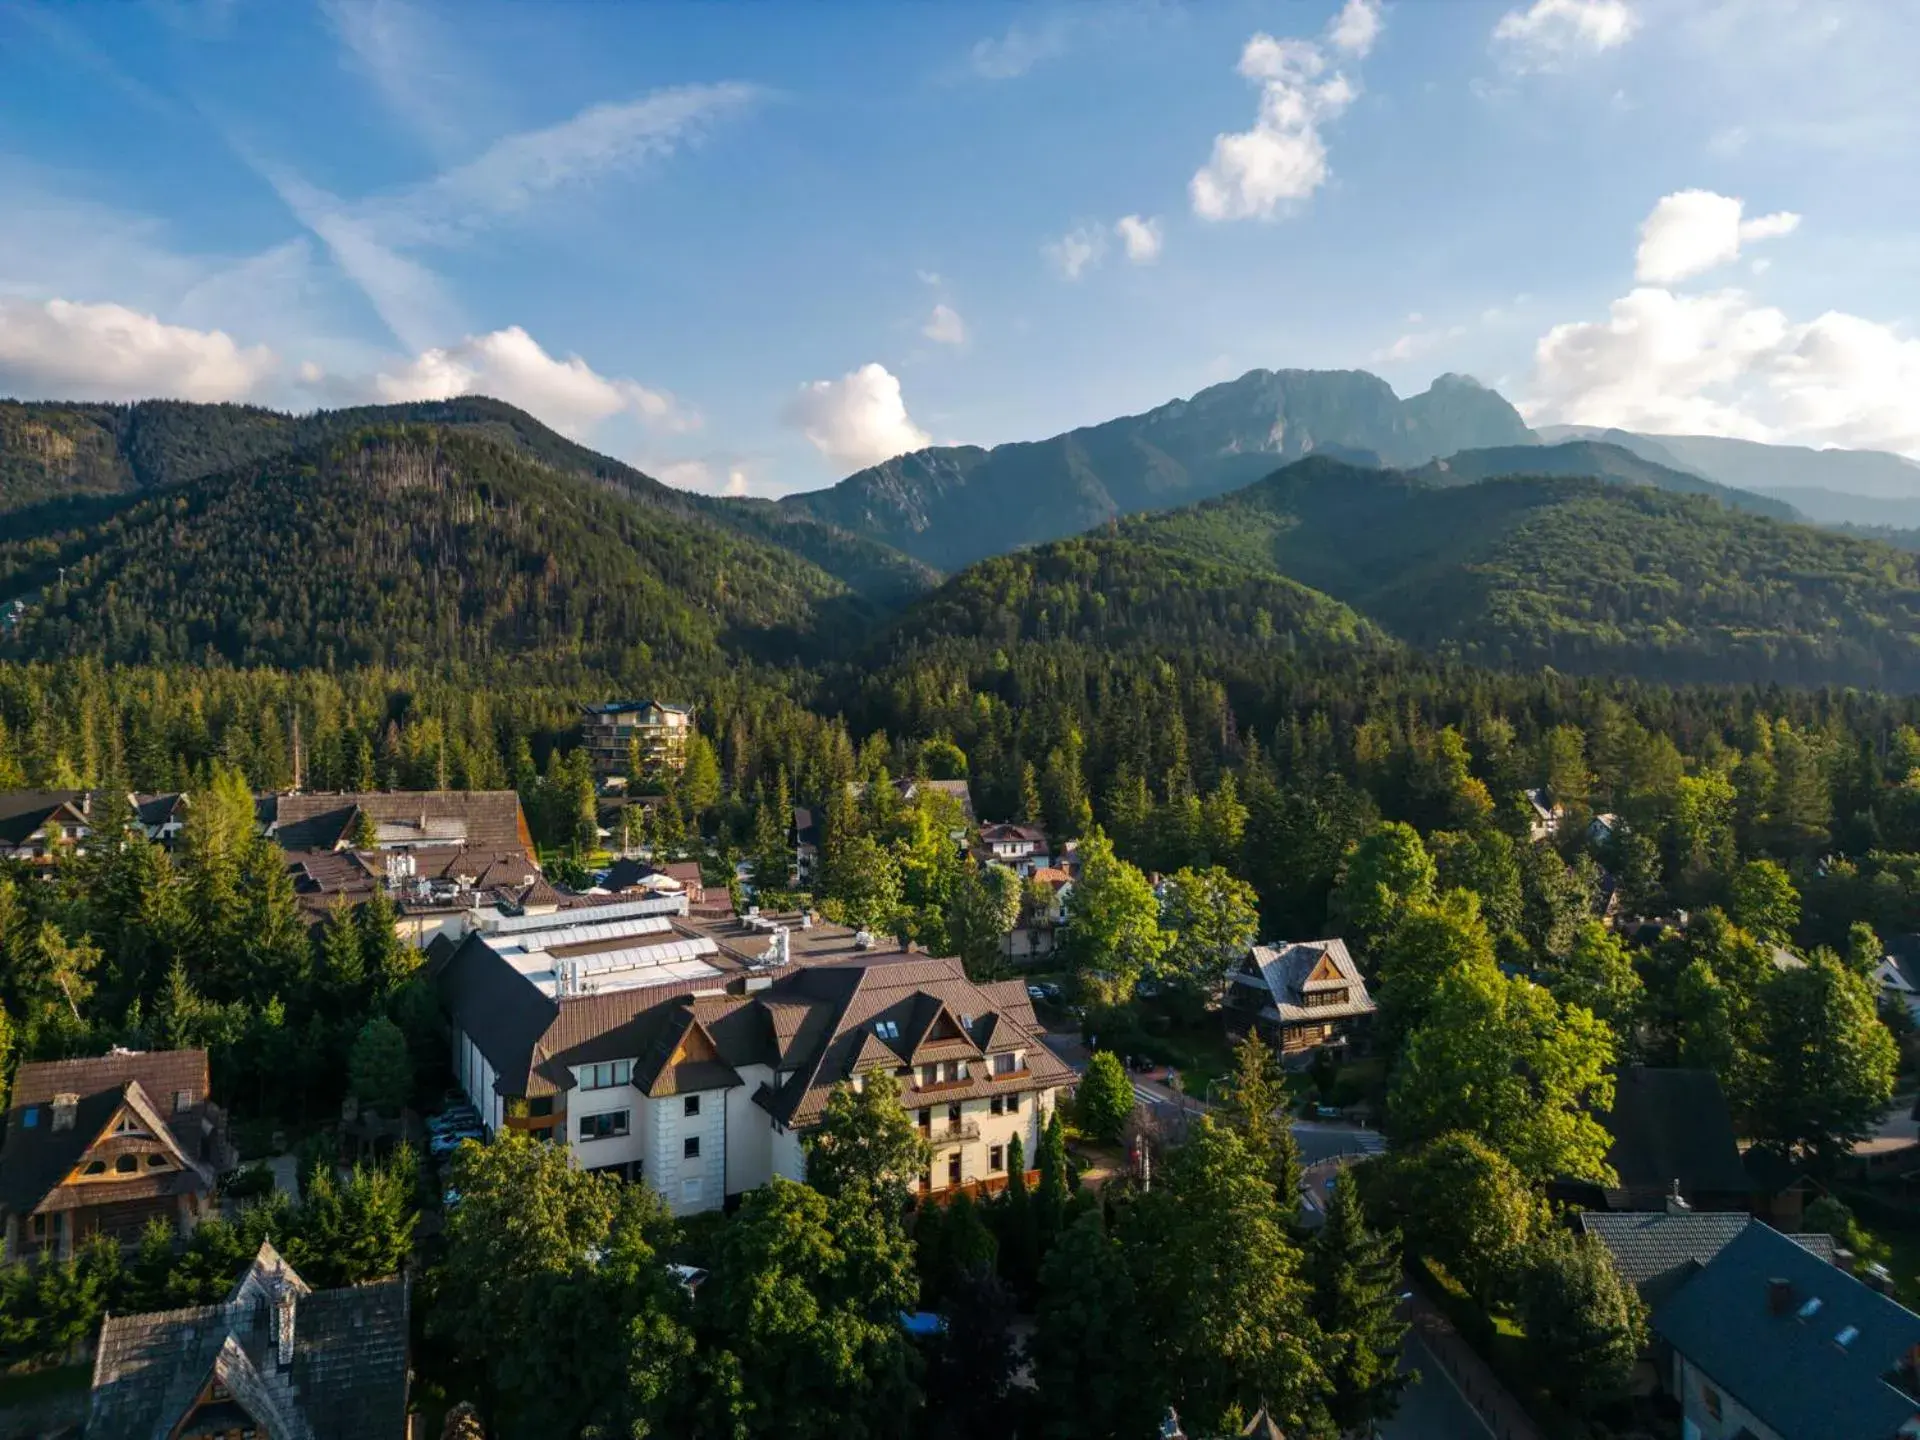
{"points": [[1077, 251], [68, 350], [1140, 238], [510, 365], [945, 327], [1549, 33], [1693, 231], [715, 476], [1722, 363], [858, 420], [1356, 27], [1283, 158]]}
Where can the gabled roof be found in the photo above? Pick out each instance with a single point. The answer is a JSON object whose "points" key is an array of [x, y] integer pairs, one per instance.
{"points": [[157, 810], [1657, 1252], [1007, 831], [626, 707], [37, 1158], [1813, 1371], [24, 811], [1288, 971], [346, 1378], [1673, 1125]]}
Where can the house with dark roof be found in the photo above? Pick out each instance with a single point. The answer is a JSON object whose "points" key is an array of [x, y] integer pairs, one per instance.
{"points": [[1898, 973], [1301, 995], [36, 825], [163, 817], [275, 1359], [106, 1144], [1770, 1340], [692, 1052], [1670, 1128], [1658, 1251]]}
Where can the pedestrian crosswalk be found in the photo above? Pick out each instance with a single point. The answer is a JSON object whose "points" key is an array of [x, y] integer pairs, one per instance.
{"points": [[1147, 1098]]}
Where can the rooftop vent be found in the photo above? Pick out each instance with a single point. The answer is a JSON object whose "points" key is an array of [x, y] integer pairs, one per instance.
{"points": [[1779, 1295]]}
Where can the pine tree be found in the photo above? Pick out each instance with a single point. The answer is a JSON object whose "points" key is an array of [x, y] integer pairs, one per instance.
{"points": [[386, 960], [343, 975], [1355, 1274], [1255, 1107], [1019, 1232], [1050, 1203]]}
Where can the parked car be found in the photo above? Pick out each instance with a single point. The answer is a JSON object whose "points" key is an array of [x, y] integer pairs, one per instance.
{"points": [[461, 1118], [448, 1141]]}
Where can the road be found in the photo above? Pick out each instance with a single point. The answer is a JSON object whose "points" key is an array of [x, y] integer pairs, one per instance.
{"points": [[1431, 1408]]}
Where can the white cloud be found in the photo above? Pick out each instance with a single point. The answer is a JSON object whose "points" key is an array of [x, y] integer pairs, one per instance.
{"points": [[945, 327], [1077, 251], [858, 420], [714, 476], [1009, 56], [67, 350], [1141, 238], [510, 365], [1283, 158], [369, 239], [1692, 231], [1356, 27], [406, 58], [1722, 364], [1549, 33]]}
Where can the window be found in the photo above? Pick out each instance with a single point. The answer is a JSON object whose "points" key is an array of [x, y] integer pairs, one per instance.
{"points": [[156, 1162], [126, 1165], [1006, 1063], [929, 1074], [996, 1157], [39, 1227], [541, 1108], [690, 1191], [887, 1029], [693, 1105], [95, 1167], [127, 1125], [30, 1117], [606, 1075], [926, 1118], [690, 1148], [605, 1125], [995, 1105], [1013, 1103], [182, 1101]]}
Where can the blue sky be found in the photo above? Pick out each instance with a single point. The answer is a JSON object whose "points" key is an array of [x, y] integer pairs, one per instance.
{"points": [[753, 246]]}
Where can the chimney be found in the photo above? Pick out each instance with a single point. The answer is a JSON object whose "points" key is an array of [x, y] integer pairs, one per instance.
{"points": [[280, 1322], [65, 1106], [1677, 1203], [1779, 1295]]}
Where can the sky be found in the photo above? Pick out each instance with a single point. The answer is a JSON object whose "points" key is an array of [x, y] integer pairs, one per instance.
{"points": [[753, 247]]}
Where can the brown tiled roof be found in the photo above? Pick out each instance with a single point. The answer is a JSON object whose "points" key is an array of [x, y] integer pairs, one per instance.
{"points": [[36, 1157], [487, 820], [346, 1378]]}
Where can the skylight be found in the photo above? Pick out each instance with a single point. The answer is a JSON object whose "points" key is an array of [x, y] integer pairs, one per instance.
{"points": [[887, 1029], [1847, 1336], [1811, 1308]]}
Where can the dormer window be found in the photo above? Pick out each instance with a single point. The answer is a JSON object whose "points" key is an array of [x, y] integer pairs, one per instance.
{"points": [[606, 1075]]}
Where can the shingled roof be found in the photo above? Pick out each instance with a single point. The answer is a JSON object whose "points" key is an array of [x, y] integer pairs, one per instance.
{"points": [[1287, 970], [344, 1375], [24, 811], [37, 1156], [1672, 1125], [1656, 1252], [1802, 1345], [481, 820]]}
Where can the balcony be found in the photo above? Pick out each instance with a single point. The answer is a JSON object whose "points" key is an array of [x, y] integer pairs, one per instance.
{"points": [[951, 1134]]}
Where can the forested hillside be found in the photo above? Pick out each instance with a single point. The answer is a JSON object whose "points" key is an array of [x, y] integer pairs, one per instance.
{"points": [[55, 454], [414, 545], [1119, 594], [1577, 574], [956, 504], [1593, 460]]}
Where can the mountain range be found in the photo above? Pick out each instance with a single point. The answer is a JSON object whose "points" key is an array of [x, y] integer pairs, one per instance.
{"points": [[1279, 511], [952, 505]]}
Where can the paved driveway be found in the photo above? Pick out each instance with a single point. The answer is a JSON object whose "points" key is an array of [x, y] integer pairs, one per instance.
{"points": [[1431, 1408]]}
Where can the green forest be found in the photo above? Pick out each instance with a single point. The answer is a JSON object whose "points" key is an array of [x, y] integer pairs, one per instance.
{"points": [[1310, 708]]}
